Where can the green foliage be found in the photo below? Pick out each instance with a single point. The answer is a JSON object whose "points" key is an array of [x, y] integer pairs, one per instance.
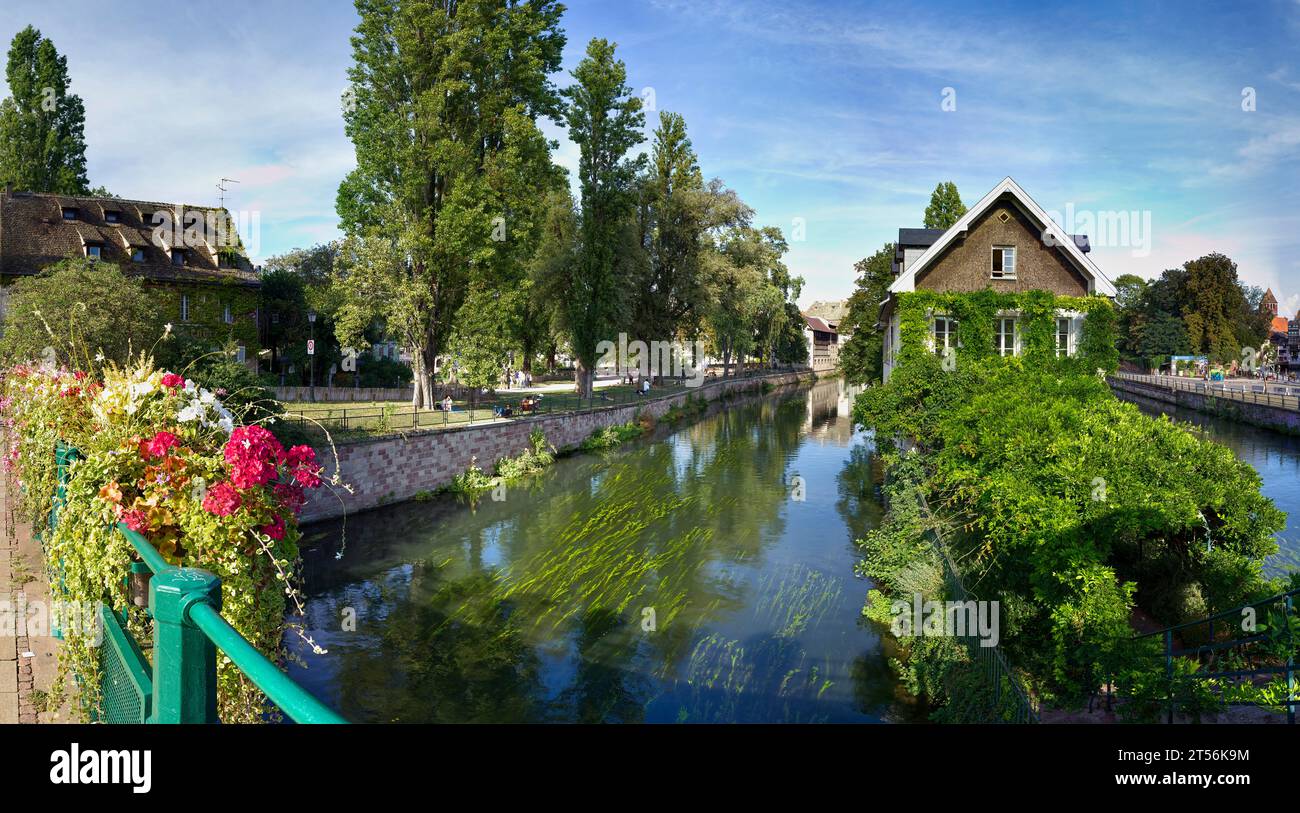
{"points": [[977, 311], [1075, 506], [442, 111], [604, 119], [79, 307], [945, 207], [42, 125], [1201, 308], [861, 357], [609, 437]]}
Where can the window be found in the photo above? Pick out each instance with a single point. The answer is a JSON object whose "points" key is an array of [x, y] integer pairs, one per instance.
{"points": [[945, 334], [1004, 262], [227, 259], [1062, 336], [275, 317], [70, 212], [178, 256], [1005, 338], [112, 216], [185, 308], [240, 354], [137, 255], [94, 251], [227, 316]]}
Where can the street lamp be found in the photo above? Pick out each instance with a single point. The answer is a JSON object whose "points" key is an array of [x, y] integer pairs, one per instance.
{"points": [[311, 352]]}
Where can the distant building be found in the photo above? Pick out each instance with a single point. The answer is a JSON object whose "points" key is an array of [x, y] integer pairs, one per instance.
{"points": [[189, 256], [824, 342], [1269, 303]]}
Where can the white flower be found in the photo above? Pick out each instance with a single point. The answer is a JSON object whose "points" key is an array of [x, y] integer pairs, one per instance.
{"points": [[193, 412], [227, 424], [167, 328]]}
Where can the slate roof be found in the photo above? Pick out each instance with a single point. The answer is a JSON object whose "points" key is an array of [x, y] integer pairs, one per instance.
{"points": [[34, 235]]}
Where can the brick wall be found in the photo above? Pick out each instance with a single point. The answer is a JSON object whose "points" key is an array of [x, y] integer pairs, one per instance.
{"points": [[393, 469]]}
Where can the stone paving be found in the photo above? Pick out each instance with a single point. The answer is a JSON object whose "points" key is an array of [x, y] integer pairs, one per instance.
{"points": [[28, 663]]}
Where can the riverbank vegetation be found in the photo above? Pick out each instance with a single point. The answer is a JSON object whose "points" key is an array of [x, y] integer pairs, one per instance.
{"points": [[1073, 509]]}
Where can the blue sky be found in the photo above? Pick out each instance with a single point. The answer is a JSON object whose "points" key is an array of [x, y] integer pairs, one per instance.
{"points": [[829, 112]]}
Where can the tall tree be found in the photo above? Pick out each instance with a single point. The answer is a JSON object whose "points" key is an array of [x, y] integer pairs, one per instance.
{"points": [[42, 125], [605, 121], [442, 110], [945, 207], [861, 358], [676, 208]]}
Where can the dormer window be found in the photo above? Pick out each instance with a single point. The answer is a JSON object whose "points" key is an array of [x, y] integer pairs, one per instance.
{"points": [[94, 251], [70, 212], [178, 257], [227, 259], [137, 255], [1004, 262], [112, 216]]}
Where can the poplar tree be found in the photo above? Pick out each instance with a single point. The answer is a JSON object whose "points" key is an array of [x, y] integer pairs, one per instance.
{"points": [[945, 207], [605, 121], [42, 125], [442, 111]]}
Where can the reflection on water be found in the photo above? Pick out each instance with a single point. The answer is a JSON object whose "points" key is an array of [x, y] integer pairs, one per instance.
{"points": [[673, 580], [1274, 455]]}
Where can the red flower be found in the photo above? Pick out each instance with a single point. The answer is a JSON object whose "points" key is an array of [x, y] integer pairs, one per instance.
{"points": [[159, 445], [222, 500], [173, 381], [290, 496], [136, 520], [252, 453], [275, 529]]}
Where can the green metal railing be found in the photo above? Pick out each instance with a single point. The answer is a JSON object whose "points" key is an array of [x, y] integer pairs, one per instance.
{"points": [[180, 685], [1010, 702], [1231, 654]]}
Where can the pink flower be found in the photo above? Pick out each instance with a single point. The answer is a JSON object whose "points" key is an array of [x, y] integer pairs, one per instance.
{"points": [[222, 500], [275, 529], [290, 496], [252, 453], [173, 381], [135, 520], [158, 446]]}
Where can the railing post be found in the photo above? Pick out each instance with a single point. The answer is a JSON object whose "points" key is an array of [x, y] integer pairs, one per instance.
{"points": [[185, 661]]}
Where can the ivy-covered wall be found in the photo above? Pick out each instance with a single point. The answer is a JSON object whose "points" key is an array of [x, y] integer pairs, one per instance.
{"points": [[207, 304], [976, 312]]}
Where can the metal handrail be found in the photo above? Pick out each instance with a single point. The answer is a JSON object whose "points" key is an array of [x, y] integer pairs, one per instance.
{"points": [[1259, 394], [299, 704]]}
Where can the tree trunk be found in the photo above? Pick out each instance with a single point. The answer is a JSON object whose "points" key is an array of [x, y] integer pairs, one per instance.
{"points": [[582, 379]]}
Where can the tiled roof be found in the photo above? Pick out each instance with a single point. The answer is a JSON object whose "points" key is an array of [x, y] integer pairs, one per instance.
{"points": [[35, 235], [1281, 324], [817, 323]]}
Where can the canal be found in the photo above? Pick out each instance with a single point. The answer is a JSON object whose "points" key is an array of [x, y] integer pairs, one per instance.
{"points": [[701, 574], [1274, 455]]}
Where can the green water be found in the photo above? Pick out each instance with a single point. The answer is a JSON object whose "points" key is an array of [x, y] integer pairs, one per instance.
{"points": [[677, 579]]}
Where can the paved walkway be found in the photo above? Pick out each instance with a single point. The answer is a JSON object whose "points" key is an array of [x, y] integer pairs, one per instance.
{"points": [[28, 663]]}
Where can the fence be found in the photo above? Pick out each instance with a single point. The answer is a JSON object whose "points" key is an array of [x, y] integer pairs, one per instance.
{"points": [[344, 422], [1268, 648], [180, 686], [343, 394], [1011, 703], [1283, 396]]}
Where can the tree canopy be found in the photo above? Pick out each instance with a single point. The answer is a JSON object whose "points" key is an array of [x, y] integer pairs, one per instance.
{"points": [[945, 207], [42, 124]]}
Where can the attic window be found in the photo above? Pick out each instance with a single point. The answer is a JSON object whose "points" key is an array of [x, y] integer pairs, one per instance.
{"points": [[137, 255], [1004, 262], [1004, 217], [70, 212], [94, 251], [112, 216], [178, 257]]}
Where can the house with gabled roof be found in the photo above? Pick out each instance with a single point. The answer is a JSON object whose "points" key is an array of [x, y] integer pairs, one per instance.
{"points": [[1005, 243], [191, 257]]}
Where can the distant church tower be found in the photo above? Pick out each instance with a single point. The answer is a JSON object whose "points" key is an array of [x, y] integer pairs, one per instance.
{"points": [[1269, 303]]}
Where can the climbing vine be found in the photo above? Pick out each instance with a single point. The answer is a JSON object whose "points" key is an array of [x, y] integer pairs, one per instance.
{"points": [[976, 312]]}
